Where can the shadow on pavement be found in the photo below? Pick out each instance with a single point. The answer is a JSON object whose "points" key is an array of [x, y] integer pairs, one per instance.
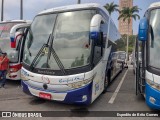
{"points": [[13, 84], [81, 112], [37, 101]]}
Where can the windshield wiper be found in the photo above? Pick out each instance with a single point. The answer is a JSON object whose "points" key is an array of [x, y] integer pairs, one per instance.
{"points": [[58, 60], [51, 50], [152, 36], [60, 65], [39, 53]]}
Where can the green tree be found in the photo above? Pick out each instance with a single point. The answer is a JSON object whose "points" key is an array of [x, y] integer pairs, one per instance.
{"points": [[121, 43], [128, 13], [110, 8]]}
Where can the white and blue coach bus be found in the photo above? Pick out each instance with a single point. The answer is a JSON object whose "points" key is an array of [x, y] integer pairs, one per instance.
{"points": [[65, 55], [148, 70]]}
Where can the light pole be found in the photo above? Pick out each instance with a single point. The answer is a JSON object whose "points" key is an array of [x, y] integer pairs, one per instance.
{"points": [[21, 9], [2, 10], [79, 1]]}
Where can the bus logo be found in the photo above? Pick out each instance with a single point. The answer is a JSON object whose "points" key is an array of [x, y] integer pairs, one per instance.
{"points": [[45, 80], [45, 50]]}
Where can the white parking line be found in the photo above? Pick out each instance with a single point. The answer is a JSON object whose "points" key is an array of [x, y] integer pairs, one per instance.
{"points": [[111, 101]]}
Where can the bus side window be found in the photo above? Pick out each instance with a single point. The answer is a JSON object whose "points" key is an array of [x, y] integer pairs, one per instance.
{"points": [[104, 29], [140, 50], [18, 41]]}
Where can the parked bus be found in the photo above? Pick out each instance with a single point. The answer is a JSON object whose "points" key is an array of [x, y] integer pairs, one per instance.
{"points": [[121, 58], [15, 59], [116, 65], [148, 70], [65, 54]]}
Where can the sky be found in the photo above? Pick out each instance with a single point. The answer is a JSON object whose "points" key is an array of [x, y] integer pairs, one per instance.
{"points": [[33, 7]]}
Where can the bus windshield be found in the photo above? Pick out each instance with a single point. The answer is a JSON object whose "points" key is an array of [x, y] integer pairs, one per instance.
{"points": [[2, 27], [70, 40], [155, 39], [122, 56], [5, 37]]}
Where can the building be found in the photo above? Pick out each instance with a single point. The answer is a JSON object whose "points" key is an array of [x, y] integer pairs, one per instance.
{"points": [[123, 26]]}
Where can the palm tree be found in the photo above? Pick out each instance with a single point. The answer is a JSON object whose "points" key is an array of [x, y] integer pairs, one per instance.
{"points": [[110, 8], [127, 14]]}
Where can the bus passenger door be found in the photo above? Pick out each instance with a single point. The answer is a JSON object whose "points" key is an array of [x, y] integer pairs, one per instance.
{"points": [[140, 80], [99, 62], [99, 70]]}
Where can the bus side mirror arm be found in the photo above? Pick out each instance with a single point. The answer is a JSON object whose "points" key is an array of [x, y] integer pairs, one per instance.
{"points": [[101, 40], [152, 36], [143, 30], [95, 26]]}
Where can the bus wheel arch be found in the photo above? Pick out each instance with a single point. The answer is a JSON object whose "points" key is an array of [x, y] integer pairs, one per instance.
{"points": [[107, 80]]}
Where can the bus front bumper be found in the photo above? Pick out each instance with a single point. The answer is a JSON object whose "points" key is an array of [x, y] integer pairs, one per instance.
{"points": [[152, 97], [14, 76], [76, 96]]}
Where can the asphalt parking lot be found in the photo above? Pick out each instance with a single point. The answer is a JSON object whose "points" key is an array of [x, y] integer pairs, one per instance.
{"points": [[120, 96]]}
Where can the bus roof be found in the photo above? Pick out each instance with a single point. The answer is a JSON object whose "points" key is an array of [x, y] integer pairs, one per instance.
{"points": [[9, 21], [156, 4], [73, 7]]}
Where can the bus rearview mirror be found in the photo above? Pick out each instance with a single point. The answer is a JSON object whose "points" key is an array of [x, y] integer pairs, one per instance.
{"points": [[18, 36], [143, 29], [95, 25], [16, 33]]}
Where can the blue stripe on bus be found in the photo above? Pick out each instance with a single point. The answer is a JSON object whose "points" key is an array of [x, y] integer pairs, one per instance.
{"points": [[25, 88], [72, 97], [12, 39]]}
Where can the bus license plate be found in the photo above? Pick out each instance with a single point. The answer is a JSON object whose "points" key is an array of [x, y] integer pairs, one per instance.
{"points": [[45, 95]]}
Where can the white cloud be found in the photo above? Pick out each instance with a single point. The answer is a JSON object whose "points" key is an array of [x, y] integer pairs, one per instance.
{"points": [[30, 7], [32, 4], [11, 3]]}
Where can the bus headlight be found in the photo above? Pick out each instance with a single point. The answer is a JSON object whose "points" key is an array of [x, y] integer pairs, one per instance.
{"points": [[13, 70], [153, 84], [80, 83]]}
